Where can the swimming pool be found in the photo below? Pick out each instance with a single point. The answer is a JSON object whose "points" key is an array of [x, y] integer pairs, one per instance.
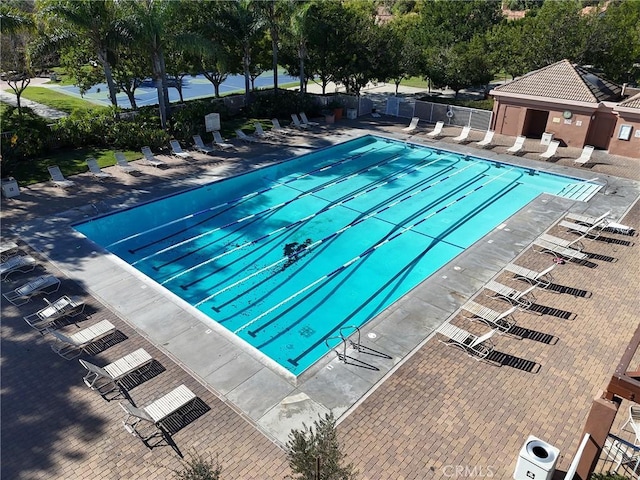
{"points": [[287, 256]]}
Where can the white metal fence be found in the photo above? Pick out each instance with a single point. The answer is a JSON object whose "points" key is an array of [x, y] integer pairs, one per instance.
{"points": [[433, 112]]}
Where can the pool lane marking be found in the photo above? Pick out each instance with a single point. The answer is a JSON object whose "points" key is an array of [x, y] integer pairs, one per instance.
{"points": [[363, 255], [326, 238], [252, 242], [406, 170], [232, 201], [314, 190]]}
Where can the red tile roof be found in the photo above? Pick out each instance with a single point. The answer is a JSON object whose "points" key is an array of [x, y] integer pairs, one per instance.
{"points": [[565, 81], [631, 102]]}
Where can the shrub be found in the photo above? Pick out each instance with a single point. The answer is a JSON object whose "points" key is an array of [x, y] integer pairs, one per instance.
{"points": [[199, 468], [316, 449], [268, 105]]}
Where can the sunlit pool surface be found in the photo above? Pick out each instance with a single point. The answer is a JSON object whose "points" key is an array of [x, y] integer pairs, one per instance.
{"points": [[287, 256]]}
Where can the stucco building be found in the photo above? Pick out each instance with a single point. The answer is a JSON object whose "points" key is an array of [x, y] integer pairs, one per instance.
{"points": [[573, 104]]}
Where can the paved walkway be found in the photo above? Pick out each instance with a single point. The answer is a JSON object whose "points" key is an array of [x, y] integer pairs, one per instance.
{"points": [[437, 409], [7, 96]]}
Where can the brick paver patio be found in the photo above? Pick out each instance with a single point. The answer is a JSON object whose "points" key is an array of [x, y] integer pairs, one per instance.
{"points": [[440, 409]]}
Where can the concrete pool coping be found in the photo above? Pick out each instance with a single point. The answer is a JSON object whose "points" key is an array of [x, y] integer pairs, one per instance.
{"points": [[236, 376]]}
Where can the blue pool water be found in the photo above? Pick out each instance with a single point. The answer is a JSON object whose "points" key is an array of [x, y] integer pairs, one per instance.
{"points": [[286, 256]]}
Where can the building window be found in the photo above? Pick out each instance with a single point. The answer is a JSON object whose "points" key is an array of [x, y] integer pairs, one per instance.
{"points": [[625, 132]]}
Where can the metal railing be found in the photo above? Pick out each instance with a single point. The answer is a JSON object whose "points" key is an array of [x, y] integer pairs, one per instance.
{"points": [[619, 456], [433, 112]]}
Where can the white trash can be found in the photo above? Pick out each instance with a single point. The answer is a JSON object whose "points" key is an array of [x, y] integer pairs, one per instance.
{"points": [[10, 187], [537, 460]]}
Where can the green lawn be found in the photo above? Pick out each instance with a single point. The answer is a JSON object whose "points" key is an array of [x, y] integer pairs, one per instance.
{"points": [[57, 100], [71, 162]]}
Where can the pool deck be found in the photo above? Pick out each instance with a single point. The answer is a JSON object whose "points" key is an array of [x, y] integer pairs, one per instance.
{"points": [[408, 408]]}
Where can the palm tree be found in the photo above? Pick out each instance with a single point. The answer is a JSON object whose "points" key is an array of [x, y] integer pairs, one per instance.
{"points": [[275, 12], [242, 24], [94, 20], [298, 32]]}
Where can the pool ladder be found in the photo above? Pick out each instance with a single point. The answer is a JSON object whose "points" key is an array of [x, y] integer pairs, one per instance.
{"points": [[345, 339]]}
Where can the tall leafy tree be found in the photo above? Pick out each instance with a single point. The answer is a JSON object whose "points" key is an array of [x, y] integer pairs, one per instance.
{"points": [[95, 21], [17, 28], [276, 14]]}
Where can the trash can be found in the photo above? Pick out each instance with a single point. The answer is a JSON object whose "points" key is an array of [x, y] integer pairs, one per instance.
{"points": [[10, 187], [546, 139], [537, 460], [352, 113]]}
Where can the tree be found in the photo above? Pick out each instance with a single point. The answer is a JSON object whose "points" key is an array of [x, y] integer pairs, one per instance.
{"points": [[314, 452], [95, 21], [402, 56], [15, 62], [275, 13]]}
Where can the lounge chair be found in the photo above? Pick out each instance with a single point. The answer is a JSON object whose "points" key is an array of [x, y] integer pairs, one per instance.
{"points": [[245, 138], [297, 123], [551, 151], [576, 244], [487, 140], [43, 285], [58, 179], [219, 142], [8, 250], [123, 164], [45, 317], [18, 263], [95, 169], [97, 378], [583, 230], [437, 130], [522, 299], [277, 128], [463, 135], [150, 158], [72, 346], [412, 126], [306, 121], [545, 246], [542, 279], [586, 219], [602, 222], [502, 322], [585, 156], [518, 145], [176, 150], [476, 347], [260, 131], [200, 146], [157, 412], [633, 422]]}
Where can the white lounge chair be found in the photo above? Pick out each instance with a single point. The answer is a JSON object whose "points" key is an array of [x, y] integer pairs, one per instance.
{"points": [[502, 322], [260, 132], [219, 142], [587, 219], [200, 146], [463, 135], [58, 179], [585, 156], [176, 149], [576, 244], [95, 169], [551, 151], [602, 222], [437, 130], [518, 145], [522, 299], [72, 346], [245, 138], [297, 123], [545, 246], [97, 378], [123, 164], [487, 140], [43, 285], [633, 422], [63, 307], [18, 263], [476, 347], [542, 279], [8, 250], [277, 128], [592, 231], [412, 126], [306, 121], [150, 159], [156, 412]]}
